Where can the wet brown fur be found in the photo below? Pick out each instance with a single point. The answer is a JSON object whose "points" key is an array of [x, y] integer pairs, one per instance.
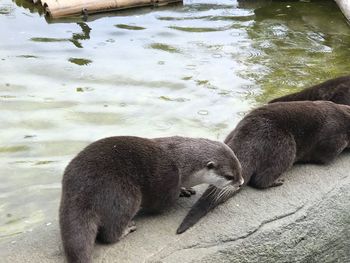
{"points": [[270, 139], [106, 184], [336, 90]]}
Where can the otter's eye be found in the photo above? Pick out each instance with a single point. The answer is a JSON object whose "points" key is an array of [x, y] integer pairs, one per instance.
{"points": [[210, 165], [229, 177]]}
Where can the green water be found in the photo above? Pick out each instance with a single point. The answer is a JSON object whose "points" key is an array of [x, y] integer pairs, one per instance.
{"points": [[191, 70]]}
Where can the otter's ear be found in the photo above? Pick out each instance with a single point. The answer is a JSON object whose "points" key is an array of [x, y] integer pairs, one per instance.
{"points": [[211, 165]]}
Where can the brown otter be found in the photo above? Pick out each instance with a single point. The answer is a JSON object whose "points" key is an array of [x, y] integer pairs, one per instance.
{"points": [[336, 90], [106, 184], [270, 139]]}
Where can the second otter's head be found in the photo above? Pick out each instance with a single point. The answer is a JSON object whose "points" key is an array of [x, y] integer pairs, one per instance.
{"points": [[224, 170], [220, 168]]}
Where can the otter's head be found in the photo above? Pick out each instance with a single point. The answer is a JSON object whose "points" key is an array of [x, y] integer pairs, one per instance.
{"points": [[222, 169]]}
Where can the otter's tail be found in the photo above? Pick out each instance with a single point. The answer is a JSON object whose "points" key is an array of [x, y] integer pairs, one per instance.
{"points": [[211, 198], [78, 236]]}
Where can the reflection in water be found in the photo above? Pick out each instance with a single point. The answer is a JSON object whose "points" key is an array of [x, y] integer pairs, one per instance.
{"points": [[192, 70], [48, 39], [6, 10], [294, 46], [84, 35], [129, 27], [27, 56], [197, 29], [80, 61], [165, 47], [30, 6], [75, 39]]}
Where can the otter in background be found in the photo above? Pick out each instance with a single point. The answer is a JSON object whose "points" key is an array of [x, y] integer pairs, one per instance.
{"points": [[336, 90], [270, 139], [108, 182]]}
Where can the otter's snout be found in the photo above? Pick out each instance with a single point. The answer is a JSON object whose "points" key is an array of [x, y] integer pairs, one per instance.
{"points": [[241, 182], [236, 182]]}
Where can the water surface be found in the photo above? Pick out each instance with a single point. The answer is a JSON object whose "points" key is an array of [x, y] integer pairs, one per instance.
{"points": [[190, 70]]}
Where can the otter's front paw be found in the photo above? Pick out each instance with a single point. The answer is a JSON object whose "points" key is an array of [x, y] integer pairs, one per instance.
{"points": [[278, 182], [187, 192], [130, 228]]}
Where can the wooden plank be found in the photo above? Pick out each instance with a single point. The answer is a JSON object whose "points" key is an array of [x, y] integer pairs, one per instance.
{"points": [[62, 8]]}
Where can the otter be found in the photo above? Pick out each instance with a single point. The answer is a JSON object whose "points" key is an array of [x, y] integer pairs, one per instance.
{"points": [[336, 90], [270, 139], [110, 180]]}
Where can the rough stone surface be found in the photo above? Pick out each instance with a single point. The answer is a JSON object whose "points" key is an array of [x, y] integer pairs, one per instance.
{"points": [[344, 5], [305, 220]]}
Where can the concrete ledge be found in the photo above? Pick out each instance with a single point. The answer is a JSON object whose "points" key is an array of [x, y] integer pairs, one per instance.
{"points": [[344, 6], [305, 220]]}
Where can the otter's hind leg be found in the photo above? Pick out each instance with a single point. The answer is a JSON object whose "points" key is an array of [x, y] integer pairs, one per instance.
{"points": [[117, 221], [327, 150], [268, 178], [275, 161]]}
